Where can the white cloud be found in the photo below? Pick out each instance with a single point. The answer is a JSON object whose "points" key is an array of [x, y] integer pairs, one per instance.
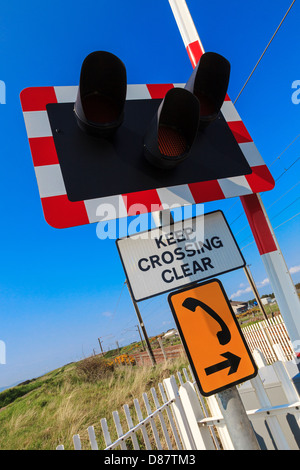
{"points": [[107, 314], [264, 282], [294, 269], [240, 292]]}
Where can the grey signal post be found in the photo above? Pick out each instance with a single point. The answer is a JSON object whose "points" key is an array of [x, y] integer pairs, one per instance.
{"points": [[238, 424], [148, 345], [142, 342], [100, 344]]}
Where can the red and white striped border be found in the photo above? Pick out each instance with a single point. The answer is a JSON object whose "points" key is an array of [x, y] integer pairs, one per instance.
{"points": [[59, 212]]}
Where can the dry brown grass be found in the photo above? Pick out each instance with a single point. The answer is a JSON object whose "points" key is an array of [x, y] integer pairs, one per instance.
{"points": [[67, 402]]}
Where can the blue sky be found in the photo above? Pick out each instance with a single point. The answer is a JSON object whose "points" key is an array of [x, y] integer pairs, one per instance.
{"points": [[62, 289]]}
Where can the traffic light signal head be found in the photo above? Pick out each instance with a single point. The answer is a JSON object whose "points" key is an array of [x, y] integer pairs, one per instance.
{"points": [[99, 107], [184, 112], [173, 129], [209, 82], [77, 172]]}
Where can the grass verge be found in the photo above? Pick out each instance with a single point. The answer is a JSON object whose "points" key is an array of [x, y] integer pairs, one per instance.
{"points": [[45, 412]]}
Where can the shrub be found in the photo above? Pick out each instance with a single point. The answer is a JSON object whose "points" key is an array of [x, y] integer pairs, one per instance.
{"points": [[94, 368], [125, 359], [10, 395]]}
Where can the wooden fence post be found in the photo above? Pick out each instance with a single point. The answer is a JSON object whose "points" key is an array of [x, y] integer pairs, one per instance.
{"points": [[162, 348]]}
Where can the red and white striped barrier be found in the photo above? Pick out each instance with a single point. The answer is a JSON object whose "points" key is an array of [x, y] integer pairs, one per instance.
{"points": [[276, 268]]}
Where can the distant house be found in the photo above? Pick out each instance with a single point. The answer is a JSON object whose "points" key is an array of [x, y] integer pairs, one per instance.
{"points": [[171, 332], [266, 300], [239, 307]]}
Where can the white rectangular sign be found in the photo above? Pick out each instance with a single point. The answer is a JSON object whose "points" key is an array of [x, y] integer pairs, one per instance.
{"points": [[165, 258]]}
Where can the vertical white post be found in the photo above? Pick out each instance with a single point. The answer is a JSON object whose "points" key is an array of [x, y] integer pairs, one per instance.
{"points": [[143, 428], [170, 417], [179, 414], [130, 426], [259, 358], [272, 421], [105, 431], [152, 423], [287, 385], [119, 429], [92, 438], [161, 418], [279, 352], [194, 414], [77, 442]]}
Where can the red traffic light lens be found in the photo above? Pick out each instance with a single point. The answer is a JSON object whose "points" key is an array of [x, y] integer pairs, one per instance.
{"points": [[173, 129]]}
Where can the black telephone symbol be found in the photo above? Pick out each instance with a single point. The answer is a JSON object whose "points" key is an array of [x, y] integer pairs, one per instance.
{"points": [[224, 335]]}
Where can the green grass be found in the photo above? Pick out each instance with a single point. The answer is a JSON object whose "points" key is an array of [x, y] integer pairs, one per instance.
{"points": [[255, 315], [49, 410]]}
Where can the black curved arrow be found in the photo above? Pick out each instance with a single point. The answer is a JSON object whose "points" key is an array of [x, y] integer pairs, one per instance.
{"points": [[224, 335], [231, 361]]}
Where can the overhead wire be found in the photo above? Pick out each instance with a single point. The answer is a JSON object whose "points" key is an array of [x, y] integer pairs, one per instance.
{"points": [[275, 228], [295, 215], [276, 215], [286, 148], [286, 169], [253, 70], [295, 200], [276, 179], [271, 164], [118, 301], [289, 190], [265, 50], [133, 317]]}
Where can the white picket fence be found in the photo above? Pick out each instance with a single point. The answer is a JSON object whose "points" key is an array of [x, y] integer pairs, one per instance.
{"points": [[183, 420], [266, 335]]}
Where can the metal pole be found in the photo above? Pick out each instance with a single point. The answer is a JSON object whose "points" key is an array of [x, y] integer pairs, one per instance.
{"points": [[148, 346], [255, 291], [238, 424], [162, 348], [275, 266], [237, 421], [100, 344], [142, 342], [261, 306], [163, 218]]}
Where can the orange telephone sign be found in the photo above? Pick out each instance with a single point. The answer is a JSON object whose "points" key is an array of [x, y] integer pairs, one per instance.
{"points": [[213, 341]]}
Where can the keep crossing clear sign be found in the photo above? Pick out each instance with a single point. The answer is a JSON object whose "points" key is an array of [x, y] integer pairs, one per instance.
{"points": [[169, 257]]}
